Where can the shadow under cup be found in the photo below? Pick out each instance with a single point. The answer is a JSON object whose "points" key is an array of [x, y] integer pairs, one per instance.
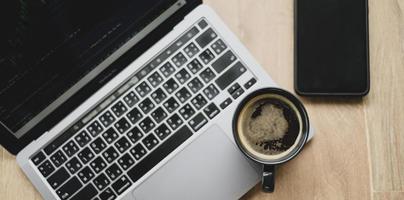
{"points": [[285, 118]]}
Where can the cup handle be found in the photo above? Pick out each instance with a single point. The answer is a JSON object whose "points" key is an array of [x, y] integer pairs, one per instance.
{"points": [[268, 178]]}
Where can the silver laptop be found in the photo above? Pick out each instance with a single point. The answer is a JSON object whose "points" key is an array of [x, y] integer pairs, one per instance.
{"points": [[127, 100]]}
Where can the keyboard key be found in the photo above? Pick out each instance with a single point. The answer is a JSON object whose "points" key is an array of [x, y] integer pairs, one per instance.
{"points": [[250, 83], [113, 171], [225, 103], [158, 96], [211, 110], [194, 66], [108, 194], [199, 101], [85, 155], [98, 145], [121, 184], [207, 75], [87, 192], [131, 99], [122, 125], [38, 158], [159, 115], [95, 128], [186, 111], [70, 148], [162, 131], [110, 135], [107, 119], [219, 46], [82, 138], [46, 168], [191, 50], [74, 165], [183, 95], [233, 88], [179, 59], [182, 76], [230, 75], [55, 144], [198, 122], [134, 115], [143, 89], [202, 24], [146, 125], [59, 177], [224, 61], [101, 182], [150, 141], [119, 109], [122, 144], [174, 121], [85, 175], [206, 56], [126, 161], [58, 158], [238, 93], [134, 135], [167, 69], [176, 45], [195, 85], [110, 154], [171, 105], [206, 37], [138, 151], [69, 188], [98, 164], [146, 105], [159, 153], [170, 86], [211, 91], [155, 79]]}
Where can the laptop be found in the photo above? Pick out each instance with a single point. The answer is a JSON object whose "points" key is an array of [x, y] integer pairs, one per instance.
{"points": [[105, 99]]}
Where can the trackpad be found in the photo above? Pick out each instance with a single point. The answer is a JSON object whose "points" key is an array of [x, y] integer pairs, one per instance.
{"points": [[209, 168]]}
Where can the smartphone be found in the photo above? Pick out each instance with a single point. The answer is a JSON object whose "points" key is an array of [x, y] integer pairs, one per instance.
{"points": [[331, 48]]}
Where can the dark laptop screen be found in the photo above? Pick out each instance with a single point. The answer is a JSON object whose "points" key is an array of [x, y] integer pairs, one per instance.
{"points": [[47, 46]]}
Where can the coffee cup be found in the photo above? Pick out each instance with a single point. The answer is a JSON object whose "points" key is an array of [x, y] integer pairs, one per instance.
{"points": [[270, 127]]}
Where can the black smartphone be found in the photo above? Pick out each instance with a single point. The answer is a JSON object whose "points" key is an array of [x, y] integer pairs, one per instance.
{"points": [[331, 47]]}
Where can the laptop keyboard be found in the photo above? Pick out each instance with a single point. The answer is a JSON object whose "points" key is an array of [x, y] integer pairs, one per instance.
{"points": [[175, 98]]}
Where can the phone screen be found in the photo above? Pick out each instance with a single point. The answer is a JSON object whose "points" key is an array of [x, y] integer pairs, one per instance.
{"points": [[331, 47]]}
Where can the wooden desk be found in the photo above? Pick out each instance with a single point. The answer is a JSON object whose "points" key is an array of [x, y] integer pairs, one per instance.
{"points": [[358, 150]]}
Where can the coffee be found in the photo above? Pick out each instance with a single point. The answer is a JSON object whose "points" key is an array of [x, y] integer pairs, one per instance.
{"points": [[269, 126]]}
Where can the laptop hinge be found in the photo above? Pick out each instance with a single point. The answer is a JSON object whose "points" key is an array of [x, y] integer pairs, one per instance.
{"points": [[42, 137]]}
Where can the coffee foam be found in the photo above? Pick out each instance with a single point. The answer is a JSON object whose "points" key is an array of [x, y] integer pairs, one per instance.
{"points": [[270, 125], [265, 131]]}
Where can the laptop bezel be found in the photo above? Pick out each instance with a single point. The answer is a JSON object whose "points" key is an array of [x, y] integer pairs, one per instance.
{"points": [[15, 145]]}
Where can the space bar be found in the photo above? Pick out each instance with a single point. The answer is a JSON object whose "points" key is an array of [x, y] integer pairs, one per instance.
{"points": [[159, 153]]}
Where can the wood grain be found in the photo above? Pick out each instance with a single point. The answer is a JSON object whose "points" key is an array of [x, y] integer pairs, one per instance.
{"points": [[388, 195], [358, 150], [384, 108], [13, 183]]}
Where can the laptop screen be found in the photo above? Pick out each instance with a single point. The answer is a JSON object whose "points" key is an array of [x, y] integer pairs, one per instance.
{"points": [[48, 46]]}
